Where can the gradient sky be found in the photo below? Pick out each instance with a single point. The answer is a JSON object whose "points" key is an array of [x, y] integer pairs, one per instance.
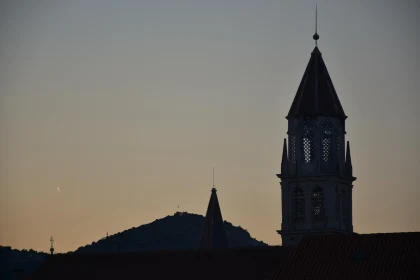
{"points": [[126, 105]]}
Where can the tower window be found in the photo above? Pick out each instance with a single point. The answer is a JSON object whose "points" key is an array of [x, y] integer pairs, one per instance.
{"points": [[308, 142], [326, 141], [318, 206], [307, 125], [298, 206], [308, 147], [292, 148]]}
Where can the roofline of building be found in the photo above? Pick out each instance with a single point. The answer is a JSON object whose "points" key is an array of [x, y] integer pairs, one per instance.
{"points": [[314, 232], [320, 177]]}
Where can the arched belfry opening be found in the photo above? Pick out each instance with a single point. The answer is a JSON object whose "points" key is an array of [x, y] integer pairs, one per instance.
{"points": [[316, 177]]}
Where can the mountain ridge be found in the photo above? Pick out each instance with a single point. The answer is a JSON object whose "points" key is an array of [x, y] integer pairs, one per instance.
{"points": [[181, 231]]}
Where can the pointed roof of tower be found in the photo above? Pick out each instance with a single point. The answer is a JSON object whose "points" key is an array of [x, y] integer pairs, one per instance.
{"points": [[316, 95], [348, 168], [348, 154], [284, 160], [213, 235], [284, 157]]}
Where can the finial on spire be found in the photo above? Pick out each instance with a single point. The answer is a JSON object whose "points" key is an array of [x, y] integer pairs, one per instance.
{"points": [[213, 175], [316, 36], [213, 189]]}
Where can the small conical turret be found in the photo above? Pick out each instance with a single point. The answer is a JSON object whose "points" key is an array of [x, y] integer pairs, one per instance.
{"points": [[348, 167], [284, 160], [213, 235]]}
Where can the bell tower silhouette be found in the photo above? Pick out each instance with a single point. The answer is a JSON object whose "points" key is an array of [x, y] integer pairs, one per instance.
{"points": [[316, 177]]}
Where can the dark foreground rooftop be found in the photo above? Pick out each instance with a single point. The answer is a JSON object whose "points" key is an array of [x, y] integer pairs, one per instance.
{"points": [[359, 256], [244, 263]]}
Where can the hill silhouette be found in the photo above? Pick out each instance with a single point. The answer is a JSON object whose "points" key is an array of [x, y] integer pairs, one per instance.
{"points": [[18, 264], [182, 231]]}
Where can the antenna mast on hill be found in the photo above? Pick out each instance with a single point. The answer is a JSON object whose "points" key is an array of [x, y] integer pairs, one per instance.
{"points": [[52, 245]]}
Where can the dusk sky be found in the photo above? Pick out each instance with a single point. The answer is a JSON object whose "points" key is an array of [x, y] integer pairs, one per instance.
{"points": [[126, 105]]}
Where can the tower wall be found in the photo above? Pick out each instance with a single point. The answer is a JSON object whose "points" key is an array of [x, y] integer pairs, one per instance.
{"points": [[316, 195]]}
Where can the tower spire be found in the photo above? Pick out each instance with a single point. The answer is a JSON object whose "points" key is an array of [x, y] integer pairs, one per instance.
{"points": [[316, 95], [213, 235], [316, 36]]}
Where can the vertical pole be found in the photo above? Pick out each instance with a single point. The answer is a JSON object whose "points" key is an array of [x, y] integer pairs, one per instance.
{"points": [[316, 18], [213, 175]]}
